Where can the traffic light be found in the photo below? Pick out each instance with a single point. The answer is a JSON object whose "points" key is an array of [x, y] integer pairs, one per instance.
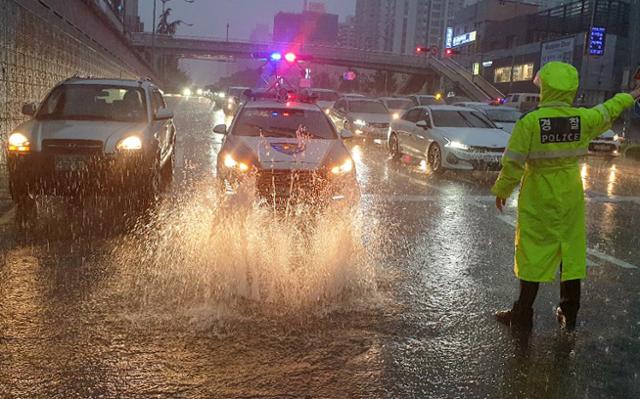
{"points": [[421, 50], [449, 52]]}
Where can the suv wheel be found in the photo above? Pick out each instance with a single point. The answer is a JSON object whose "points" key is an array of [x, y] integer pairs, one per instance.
{"points": [[434, 158], [26, 212], [394, 147], [149, 189], [167, 171]]}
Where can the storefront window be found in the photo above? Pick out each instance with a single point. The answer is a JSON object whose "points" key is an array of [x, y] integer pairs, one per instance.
{"points": [[502, 75], [520, 73]]}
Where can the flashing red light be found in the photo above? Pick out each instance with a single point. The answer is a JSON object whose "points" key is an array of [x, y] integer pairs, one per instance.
{"points": [[420, 49], [449, 52], [290, 57]]}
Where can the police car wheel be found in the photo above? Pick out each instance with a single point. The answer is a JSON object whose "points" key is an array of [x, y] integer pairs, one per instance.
{"points": [[434, 158], [394, 147]]}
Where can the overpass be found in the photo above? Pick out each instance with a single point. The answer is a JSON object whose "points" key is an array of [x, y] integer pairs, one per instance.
{"points": [[474, 87]]}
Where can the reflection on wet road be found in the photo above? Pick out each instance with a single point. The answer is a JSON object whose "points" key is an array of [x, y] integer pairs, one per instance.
{"points": [[391, 300]]}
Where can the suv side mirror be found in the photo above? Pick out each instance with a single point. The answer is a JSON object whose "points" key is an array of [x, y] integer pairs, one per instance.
{"points": [[29, 109], [220, 129], [423, 124], [346, 134], [163, 113]]}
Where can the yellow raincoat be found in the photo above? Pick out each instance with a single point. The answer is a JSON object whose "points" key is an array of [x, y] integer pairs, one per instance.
{"points": [[543, 155]]}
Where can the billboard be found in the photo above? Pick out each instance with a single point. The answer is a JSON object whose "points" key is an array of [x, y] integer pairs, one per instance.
{"points": [[557, 50], [597, 40]]}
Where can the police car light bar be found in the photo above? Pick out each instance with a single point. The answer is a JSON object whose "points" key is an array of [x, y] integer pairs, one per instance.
{"points": [[275, 56]]}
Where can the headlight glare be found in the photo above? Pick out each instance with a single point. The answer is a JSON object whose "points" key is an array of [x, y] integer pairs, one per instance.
{"points": [[616, 137], [130, 143], [18, 142], [395, 115], [344, 168], [457, 145], [230, 163], [360, 122]]}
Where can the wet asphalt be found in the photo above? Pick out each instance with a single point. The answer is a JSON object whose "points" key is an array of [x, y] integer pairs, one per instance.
{"points": [[393, 299]]}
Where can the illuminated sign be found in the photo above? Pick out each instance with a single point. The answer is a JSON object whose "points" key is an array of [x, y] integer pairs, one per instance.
{"points": [[464, 39], [596, 40], [476, 68], [449, 38], [487, 64]]}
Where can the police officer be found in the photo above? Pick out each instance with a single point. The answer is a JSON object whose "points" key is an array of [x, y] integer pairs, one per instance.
{"points": [[542, 156]]}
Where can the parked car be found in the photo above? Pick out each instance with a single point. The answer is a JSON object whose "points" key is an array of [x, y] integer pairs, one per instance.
{"points": [[448, 137], [523, 102], [325, 98], [426, 99], [364, 117], [608, 142], [235, 99], [504, 117], [104, 136], [396, 105]]}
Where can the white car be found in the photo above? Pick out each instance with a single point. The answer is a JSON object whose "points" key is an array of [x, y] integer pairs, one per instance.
{"points": [[426, 99], [607, 142], [93, 136], [325, 98], [396, 105], [448, 137], [364, 117], [293, 151], [504, 117]]}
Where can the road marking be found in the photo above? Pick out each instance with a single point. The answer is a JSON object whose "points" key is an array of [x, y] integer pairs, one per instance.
{"points": [[8, 216], [610, 259]]}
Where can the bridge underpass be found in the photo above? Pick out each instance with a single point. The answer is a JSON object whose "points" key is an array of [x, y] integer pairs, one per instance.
{"points": [[475, 87]]}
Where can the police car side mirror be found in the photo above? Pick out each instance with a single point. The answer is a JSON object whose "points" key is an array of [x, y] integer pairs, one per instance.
{"points": [[29, 109], [423, 124], [163, 113], [346, 134], [220, 129]]}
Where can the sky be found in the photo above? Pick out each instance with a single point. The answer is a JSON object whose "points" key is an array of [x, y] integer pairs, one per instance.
{"points": [[210, 17]]}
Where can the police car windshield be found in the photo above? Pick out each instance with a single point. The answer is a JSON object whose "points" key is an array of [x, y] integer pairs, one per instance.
{"points": [[399, 103], [461, 119], [282, 122], [503, 115], [367, 107], [91, 102]]}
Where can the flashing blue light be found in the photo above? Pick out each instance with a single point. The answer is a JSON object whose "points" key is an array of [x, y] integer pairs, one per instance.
{"points": [[276, 56]]}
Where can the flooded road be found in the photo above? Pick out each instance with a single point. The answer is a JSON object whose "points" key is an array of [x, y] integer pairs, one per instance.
{"points": [[393, 299]]}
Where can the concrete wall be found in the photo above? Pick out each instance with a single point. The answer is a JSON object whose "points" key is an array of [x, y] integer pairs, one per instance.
{"points": [[45, 41]]}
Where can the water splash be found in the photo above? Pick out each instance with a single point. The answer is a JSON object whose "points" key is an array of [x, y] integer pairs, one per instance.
{"points": [[205, 249]]}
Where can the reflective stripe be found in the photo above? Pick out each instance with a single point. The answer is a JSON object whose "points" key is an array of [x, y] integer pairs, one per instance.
{"points": [[577, 152], [516, 156], [605, 113]]}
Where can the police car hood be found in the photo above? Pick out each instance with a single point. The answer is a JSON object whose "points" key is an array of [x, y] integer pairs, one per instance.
{"points": [[371, 118], [506, 126], [286, 153], [476, 137]]}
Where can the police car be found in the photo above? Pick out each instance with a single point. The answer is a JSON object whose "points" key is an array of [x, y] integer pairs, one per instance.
{"points": [[291, 150]]}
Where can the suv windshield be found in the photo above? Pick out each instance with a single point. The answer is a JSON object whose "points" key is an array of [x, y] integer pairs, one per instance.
{"points": [[367, 107], [399, 104], [279, 122], [461, 119], [93, 102], [503, 115]]}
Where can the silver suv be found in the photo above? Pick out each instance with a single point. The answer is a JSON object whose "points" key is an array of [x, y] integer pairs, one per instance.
{"points": [[99, 136]]}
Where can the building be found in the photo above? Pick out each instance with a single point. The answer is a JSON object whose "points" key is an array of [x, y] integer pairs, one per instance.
{"points": [[305, 27], [508, 48], [400, 26], [131, 17], [347, 33]]}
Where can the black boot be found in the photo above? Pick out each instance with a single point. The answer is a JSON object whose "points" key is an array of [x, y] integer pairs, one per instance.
{"points": [[519, 318], [567, 312]]}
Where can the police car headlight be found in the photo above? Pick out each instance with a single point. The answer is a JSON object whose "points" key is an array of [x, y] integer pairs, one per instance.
{"points": [[395, 116], [457, 145], [18, 142], [230, 163], [130, 143], [360, 122], [344, 168]]}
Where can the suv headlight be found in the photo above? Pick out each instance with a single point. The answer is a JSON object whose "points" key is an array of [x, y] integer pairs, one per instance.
{"points": [[130, 143], [18, 142], [457, 145], [360, 122], [230, 163], [344, 168]]}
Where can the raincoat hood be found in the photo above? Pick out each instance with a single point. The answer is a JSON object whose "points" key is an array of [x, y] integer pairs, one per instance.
{"points": [[559, 83]]}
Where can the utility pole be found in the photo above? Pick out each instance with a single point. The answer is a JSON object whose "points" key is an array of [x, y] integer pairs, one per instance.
{"points": [[227, 31], [153, 36]]}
